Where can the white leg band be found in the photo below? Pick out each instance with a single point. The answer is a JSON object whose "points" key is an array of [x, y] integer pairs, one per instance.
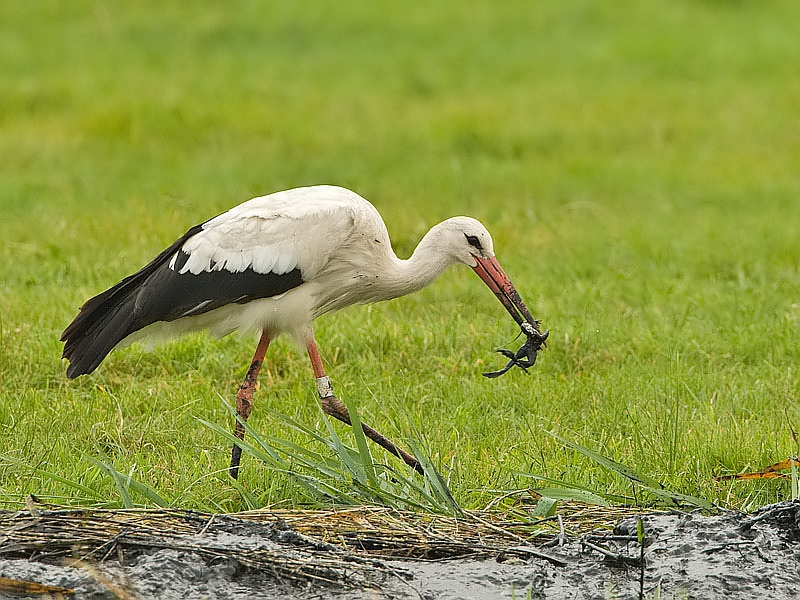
{"points": [[324, 387]]}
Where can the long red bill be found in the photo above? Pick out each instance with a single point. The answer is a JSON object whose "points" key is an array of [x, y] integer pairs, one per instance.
{"points": [[492, 274]]}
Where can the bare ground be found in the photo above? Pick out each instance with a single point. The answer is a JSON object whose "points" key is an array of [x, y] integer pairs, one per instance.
{"points": [[366, 553]]}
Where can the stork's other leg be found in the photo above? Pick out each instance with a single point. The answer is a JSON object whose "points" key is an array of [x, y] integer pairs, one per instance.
{"points": [[244, 400], [336, 408]]}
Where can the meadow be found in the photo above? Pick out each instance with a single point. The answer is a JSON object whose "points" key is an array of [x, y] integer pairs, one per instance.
{"points": [[637, 164]]}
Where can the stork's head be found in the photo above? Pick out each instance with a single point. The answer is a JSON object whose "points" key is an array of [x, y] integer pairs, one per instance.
{"points": [[468, 241]]}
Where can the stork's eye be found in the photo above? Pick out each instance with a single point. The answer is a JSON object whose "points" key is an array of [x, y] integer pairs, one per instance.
{"points": [[473, 241]]}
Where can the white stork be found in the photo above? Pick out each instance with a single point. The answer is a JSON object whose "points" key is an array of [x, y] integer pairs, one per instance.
{"points": [[272, 265]]}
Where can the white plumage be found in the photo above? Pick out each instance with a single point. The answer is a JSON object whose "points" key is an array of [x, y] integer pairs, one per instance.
{"points": [[276, 233]]}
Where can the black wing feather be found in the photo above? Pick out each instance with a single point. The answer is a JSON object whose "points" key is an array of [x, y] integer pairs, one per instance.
{"points": [[168, 295], [159, 292]]}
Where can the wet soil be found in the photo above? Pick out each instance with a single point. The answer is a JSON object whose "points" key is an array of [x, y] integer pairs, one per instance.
{"points": [[685, 556]]}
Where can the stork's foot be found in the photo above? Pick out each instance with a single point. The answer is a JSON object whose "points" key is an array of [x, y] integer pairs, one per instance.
{"points": [[244, 406], [236, 458], [242, 411], [336, 409]]}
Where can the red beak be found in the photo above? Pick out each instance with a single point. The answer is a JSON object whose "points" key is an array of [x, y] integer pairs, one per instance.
{"points": [[492, 274]]}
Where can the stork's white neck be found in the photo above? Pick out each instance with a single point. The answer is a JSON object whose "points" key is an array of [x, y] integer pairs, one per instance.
{"points": [[430, 259], [385, 276]]}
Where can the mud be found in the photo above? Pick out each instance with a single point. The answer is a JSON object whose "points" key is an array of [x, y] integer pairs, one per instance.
{"points": [[686, 556]]}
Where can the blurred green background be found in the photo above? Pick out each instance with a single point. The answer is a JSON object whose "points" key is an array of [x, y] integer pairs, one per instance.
{"points": [[637, 164]]}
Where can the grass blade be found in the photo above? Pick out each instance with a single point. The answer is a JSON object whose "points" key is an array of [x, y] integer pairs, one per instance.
{"points": [[435, 480], [57, 478], [574, 494], [636, 478], [268, 456], [609, 463], [366, 464], [126, 483], [545, 507]]}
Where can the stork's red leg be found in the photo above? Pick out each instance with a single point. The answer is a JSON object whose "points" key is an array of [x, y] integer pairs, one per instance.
{"points": [[336, 408], [244, 400]]}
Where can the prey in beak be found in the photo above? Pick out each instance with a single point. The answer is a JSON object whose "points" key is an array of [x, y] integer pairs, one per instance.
{"points": [[492, 274]]}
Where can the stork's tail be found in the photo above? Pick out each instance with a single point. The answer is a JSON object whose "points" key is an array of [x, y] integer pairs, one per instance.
{"points": [[103, 322], [108, 318]]}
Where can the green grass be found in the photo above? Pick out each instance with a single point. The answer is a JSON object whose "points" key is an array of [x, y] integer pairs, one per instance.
{"points": [[636, 163]]}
